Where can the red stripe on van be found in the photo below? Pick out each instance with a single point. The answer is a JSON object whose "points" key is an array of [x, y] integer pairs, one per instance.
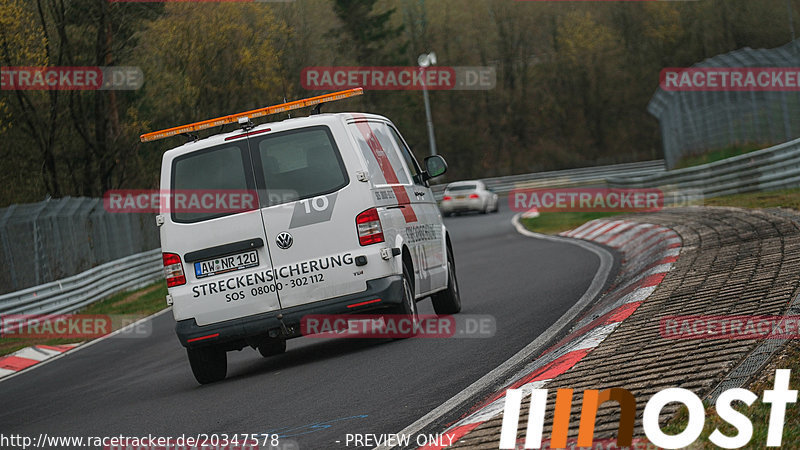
{"points": [[386, 167]]}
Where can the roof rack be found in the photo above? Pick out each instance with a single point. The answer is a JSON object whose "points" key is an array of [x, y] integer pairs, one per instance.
{"points": [[219, 121]]}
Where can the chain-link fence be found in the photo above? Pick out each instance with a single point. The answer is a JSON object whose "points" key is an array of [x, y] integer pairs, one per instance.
{"points": [[53, 239], [693, 122]]}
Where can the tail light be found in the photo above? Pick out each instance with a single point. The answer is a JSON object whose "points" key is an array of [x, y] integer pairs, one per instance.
{"points": [[447, 198], [369, 228], [474, 196], [173, 270]]}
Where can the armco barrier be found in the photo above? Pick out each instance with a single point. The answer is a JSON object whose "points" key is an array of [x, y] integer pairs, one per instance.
{"points": [[585, 176], [772, 168], [61, 237], [768, 169], [72, 293]]}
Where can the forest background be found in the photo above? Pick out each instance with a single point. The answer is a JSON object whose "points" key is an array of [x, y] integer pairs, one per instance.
{"points": [[573, 78]]}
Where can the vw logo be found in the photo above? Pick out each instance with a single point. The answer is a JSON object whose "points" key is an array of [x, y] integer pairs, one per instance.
{"points": [[284, 240]]}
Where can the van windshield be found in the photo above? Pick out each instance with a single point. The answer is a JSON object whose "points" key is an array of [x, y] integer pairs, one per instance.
{"points": [[300, 164]]}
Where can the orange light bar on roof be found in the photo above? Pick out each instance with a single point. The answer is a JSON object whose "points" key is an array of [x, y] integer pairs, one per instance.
{"points": [[219, 121]]}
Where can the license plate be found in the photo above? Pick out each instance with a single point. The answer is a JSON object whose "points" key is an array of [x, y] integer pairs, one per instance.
{"points": [[226, 264], [460, 197]]}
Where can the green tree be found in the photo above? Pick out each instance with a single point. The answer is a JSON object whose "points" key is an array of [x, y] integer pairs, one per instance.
{"points": [[370, 34], [208, 60], [20, 42], [99, 33], [65, 142]]}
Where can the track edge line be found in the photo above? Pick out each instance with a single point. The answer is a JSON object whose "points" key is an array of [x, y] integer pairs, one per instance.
{"points": [[502, 371]]}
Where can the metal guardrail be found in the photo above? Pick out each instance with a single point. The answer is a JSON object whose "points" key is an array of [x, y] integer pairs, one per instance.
{"points": [[693, 122], [585, 176], [74, 292], [70, 294], [768, 169], [58, 238], [772, 168]]}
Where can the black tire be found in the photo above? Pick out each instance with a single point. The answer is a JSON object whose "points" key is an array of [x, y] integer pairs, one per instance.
{"points": [[408, 307], [496, 206], [272, 347], [485, 208], [448, 301], [208, 364]]}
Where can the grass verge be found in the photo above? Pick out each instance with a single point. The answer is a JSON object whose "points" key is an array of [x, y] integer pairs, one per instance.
{"points": [[717, 155], [556, 222], [759, 412], [133, 304], [785, 198]]}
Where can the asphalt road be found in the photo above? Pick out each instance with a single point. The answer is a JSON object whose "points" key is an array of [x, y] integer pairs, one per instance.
{"points": [[320, 390]]}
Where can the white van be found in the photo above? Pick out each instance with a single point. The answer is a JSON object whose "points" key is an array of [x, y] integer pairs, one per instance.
{"points": [[344, 223]]}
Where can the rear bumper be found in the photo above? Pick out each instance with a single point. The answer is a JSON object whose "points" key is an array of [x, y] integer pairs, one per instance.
{"points": [[462, 205], [238, 333]]}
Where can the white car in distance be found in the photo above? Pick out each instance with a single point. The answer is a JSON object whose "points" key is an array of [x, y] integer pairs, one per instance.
{"points": [[465, 196]]}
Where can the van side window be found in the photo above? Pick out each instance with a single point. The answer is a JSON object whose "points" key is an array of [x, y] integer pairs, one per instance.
{"points": [[216, 169], [300, 164], [411, 162], [383, 162]]}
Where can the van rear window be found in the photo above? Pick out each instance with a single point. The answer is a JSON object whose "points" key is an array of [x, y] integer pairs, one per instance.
{"points": [[216, 169], [300, 164]]}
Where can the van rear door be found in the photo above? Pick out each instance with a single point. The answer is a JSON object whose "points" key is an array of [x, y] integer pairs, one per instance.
{"points": [[309, 208], [214, 225]]}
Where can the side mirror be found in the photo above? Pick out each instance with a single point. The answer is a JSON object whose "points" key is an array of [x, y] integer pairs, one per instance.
{"points": [[435, 166]]}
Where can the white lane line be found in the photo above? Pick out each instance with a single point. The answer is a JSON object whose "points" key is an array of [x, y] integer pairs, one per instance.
{"points": [[502, 371], [494, 408], [86, 345]]}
